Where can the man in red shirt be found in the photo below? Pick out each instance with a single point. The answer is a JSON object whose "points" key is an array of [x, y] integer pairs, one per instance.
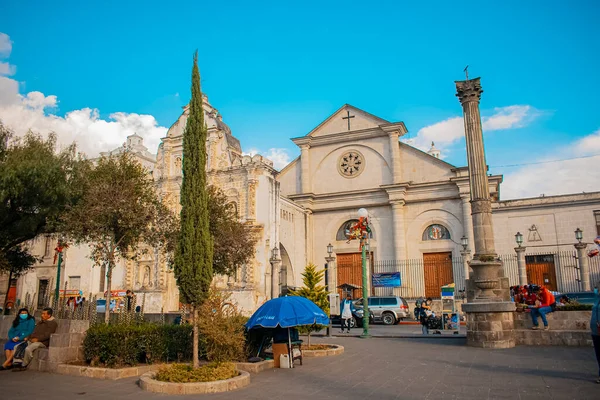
{"points": [[545, 304]]}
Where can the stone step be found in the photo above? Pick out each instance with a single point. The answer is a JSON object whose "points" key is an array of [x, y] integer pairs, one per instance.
{"points": [[529, 337]]}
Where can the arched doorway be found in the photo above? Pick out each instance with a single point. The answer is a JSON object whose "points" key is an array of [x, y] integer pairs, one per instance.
{"points": [[286, 272]]}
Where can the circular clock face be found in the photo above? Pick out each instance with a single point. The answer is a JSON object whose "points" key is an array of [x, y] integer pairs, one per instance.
{"points": [[351, 164]]}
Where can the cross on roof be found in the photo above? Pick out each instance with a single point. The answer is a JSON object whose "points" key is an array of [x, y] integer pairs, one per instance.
{"points": [[348, 118]]}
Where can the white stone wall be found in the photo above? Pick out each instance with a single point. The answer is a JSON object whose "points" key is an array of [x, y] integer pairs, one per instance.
{"points": [[555, 217]]}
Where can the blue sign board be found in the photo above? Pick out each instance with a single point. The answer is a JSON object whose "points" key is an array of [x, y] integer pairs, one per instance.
{"points": [[386, 279]]}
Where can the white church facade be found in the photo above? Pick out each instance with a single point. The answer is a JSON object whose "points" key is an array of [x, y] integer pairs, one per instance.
{"points": [[419, 207]]}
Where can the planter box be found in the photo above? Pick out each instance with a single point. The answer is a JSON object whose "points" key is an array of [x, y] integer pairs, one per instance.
{"points": [[148, 383], [106, 373]]}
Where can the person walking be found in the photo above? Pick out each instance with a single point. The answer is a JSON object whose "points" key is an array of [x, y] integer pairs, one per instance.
{"points": [[347, 308], [425, 314], [595, 328]]}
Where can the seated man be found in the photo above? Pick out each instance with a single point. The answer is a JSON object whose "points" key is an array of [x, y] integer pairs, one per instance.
{"points": [[39, 339]]}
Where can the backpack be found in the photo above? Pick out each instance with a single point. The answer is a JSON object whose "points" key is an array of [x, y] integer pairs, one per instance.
{"points": [[418, 303]]}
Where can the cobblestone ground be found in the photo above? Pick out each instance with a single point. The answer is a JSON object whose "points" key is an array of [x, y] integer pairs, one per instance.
{"points": [[372, 369]]}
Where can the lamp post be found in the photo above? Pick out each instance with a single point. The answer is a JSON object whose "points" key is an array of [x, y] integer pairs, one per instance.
{"points": [[275, 264], [363, 214], [466, 255], [584, 267], [521, 264], [329, 259]]}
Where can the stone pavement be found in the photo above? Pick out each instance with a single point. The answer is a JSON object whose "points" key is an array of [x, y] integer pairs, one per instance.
{"points": [[377, 368]]}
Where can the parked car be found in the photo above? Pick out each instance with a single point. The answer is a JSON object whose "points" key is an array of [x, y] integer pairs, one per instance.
{"points": [[386, 309], [355, 321], [580, 297], [101, 305]]}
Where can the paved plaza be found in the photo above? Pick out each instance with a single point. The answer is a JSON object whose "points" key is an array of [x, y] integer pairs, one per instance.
{"points": [[378, 368]]}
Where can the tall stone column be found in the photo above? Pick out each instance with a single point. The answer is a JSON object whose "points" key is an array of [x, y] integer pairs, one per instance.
{"points": [[489, 310], [305, 166], [584, 267], [395, 155]]}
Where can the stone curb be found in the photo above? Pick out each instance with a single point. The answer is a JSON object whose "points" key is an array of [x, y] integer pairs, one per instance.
{"points": [[148, 383], [105, 373], [336, 350], [255, 368]]}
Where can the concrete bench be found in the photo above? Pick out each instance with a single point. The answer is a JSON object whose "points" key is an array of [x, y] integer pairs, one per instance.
{"points": [[66, 345], [566, 328]]}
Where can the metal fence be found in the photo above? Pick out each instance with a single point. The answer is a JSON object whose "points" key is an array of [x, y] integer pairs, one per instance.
{"points": [[557, 270]]}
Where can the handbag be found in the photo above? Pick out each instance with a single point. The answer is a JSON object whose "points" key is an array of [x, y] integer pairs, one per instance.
{"points": [[19, 352]]}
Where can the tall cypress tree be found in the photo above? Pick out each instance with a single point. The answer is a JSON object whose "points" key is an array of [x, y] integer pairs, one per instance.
{"points": [[193, 260]]}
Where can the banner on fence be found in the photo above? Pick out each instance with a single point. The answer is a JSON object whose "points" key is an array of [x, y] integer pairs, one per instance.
{"points": [[386, 279]]}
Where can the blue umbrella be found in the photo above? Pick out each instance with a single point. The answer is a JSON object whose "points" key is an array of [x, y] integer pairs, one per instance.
{"points": [[287, 312]]}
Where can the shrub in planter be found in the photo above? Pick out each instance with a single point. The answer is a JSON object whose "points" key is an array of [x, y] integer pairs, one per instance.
{"points": [[121, 345], [221, 328], [575, 307], [184, 373]]}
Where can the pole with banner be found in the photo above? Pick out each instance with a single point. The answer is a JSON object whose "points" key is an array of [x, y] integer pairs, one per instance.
{"points": [[58, 254]]}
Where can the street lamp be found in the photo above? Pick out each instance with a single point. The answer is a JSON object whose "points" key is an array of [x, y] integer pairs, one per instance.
{"points": [[329, 259], [579, 235], [464, 241], [364, 215], [519, 239], [275, 253], [275, 271]]}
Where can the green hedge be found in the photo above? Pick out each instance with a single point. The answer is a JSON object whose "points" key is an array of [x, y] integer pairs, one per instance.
{"points": [[124, 345]]}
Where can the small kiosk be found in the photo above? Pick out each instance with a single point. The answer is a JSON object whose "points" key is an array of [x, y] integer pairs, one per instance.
{"points": [[450, 316]]}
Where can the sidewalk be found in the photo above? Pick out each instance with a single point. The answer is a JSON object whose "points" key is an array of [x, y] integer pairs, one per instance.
{"points": [[372, 369]]}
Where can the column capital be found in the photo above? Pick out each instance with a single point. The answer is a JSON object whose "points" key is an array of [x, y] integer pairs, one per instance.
{"points": [[580, 246], [329, 259], [520, 249], [469, 90], [304, 146]]}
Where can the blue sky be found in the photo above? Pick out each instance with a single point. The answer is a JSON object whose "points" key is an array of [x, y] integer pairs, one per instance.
{"points": [[275, 71]]}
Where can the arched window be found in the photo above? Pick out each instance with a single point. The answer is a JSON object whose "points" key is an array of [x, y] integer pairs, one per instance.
{"points": [[344, 231], [436, 232]]}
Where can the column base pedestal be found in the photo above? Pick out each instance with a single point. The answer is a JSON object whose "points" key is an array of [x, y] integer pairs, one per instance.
{"points": [[490, 325]]}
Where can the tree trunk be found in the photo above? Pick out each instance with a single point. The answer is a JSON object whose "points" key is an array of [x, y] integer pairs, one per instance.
{"points": [[108, 283], [195, 360], [7, 290]]}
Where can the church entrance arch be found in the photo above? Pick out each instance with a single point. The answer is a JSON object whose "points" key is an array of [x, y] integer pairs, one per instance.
{"points": [[437, 271], [286, 274]]}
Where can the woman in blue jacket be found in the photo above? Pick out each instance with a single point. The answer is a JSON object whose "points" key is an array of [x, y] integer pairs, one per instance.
{"points": [[21, 328], [594, 326]]}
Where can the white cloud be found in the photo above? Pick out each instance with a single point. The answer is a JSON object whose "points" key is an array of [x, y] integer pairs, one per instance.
{"points": [[85, 127], [5, 45], [510, 117], [280, 156], [574, 175], [7, 69], [449, 131]]}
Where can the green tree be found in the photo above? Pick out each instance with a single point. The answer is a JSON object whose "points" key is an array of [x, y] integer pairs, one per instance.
{"points": [[119, 215], [193, 259], [37, 186], [233, 241], [315, 292]]}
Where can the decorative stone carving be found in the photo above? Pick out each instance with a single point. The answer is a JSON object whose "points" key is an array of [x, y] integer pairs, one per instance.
{"points": [[351, 164], [469, 90], [481, 207]]}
